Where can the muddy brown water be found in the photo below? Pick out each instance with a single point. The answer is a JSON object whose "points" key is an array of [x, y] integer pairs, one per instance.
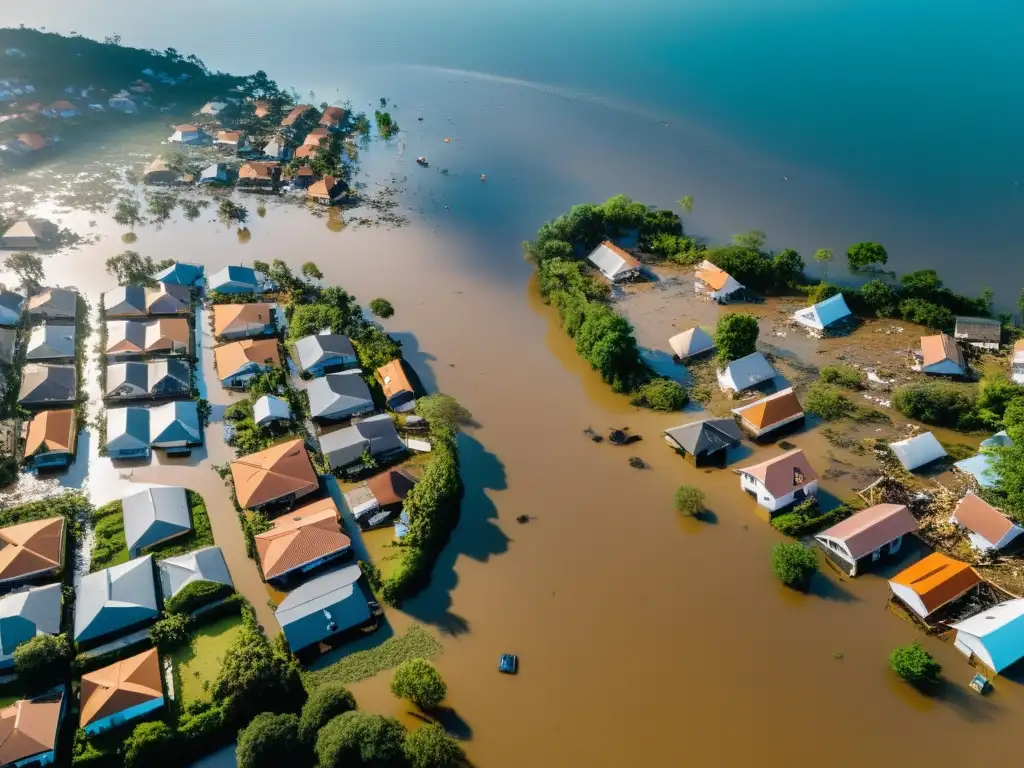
{"points": [[642, 637]]}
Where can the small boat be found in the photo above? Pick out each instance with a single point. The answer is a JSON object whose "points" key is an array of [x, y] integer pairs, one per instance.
{"points": [[508, 663], [483, 177], [447, 139], [422, 161]]}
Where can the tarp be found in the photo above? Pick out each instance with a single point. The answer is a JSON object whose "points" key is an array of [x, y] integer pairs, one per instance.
{"points": [[915, 452], [823, 314]]}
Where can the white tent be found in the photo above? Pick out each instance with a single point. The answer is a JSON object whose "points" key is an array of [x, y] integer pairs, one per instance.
{"points": [[823, 314], [690, 343], [614, 263], [917, 451], [746, 372], [995, 636]]}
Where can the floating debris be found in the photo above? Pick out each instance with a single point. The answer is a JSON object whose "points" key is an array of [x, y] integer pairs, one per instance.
{"points": [[421, 160], [593, 435], [521, 519], [622, 437], [636, 462]]}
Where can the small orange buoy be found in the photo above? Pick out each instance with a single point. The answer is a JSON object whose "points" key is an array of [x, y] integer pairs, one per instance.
{"points": [[447, 139]]}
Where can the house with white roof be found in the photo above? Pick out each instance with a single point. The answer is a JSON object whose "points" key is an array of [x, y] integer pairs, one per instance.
{"points": [[187, 134], [918, 451], [269, 409], [154, 514], [824, 315], [995, 637], [614, 263], [690, 343], [747, 372]]}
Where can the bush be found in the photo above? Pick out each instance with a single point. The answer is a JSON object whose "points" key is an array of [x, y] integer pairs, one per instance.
{"points": [[382, 308], [940, 403], [373, 575], [429, 746], [843, 376], [196, 594], [359, 738], [879, 298], [820, 291], [269, 741], [43, 661], [803, 519], [827, 402], [660, 395], [443, 413], [171, 631], [418, 681], [151, 745], [324, 704], [914, 664], [735, 336], [204, 728], [925, 313], [794, 564], [689, 500]]}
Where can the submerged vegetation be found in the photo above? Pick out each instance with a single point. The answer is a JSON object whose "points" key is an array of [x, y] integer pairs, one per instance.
{"points": [[794, 564]]}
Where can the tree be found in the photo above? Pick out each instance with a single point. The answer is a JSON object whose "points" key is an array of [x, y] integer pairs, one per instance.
{"points": [[928, 314], [131, 268], [42, 661], [360, 739], [429, 746], [794, 564], [686, 203], [269, 741], [150, 745], [914, 664], [879, 298], [444, 413], [382, 308], [864, 255], [735, 336], [939, 403], [754, 239], [787, 269], [827, 403], [824, 257], [29, 270], [323, 705], [127, 212], [312, 271], [171, 631], [418, 681], [689, 500], [660, 395], [230, 211]]}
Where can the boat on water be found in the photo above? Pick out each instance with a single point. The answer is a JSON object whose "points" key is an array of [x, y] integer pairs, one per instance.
{"points": [[422, 161]]}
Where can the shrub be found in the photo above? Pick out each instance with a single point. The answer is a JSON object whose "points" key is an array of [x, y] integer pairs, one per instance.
{"points": [[735, 336], [269, 741], [914, 664], [429, 746], [827, 402], [194, 595], [794, 564], [820, 291], [928, 314], [803, 519], [42, 661], [689, 500], [151, 745], [418, 681], [382, 308], [660, 395], [359, 738], [204, 727], [940, 403], [443, 413], [171, 631], [879, 298], [324, 704], [843, 376]]}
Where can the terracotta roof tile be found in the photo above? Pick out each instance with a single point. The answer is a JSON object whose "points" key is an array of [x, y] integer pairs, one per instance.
{"points": [[273, 473], [29, 727], [393, 379], [31, 547], [125, 684], [935, 349], [714, 277], [224, 315], [300, 537], [390, 487], [981, 517], [771, 410], [230, 357], [52, 430]]}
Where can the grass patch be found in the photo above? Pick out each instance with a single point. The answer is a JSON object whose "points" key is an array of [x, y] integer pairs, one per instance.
{"points": [[109, 546], [197, 664], [415, 643]]}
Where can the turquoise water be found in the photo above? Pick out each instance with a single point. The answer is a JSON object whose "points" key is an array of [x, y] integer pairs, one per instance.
{"points": [[822, 122]]}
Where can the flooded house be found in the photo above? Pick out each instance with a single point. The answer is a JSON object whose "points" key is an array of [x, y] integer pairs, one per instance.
{"points": [[987, 528], [380, 498], [277, 149], [31, 728], [53, 304], [136, 301], [940, 356], [128, 433], [11, 307], [981, 332], [332, 117], [375, 434], [918, 451], [315, 137], [242, 321], [217, 173], [301, 540], [29, 234], [213, 108], [780, 482], [995, 637], [187, 133], [181, 273], [51, 343], [1017, 362], [303, 178], [746, 373], [935, 581], [293, 116], [162, 336], [237, 279], [205, 564], [323, 607], [324, 353], [45, 386], [239, 362], [154, 514], [614, 263], [25, 615], [232, 140], [306, 152], [705, 443], [770, 415], [280, 474], [824, 316], [61, 110], [151, 379], [691, 343], [327, 191], [870, 536], [270, 409], [339, 396], [259, 176], [714, 283], [115, 601], [32, 550], [175, 427], [51, 439], [158, 172], [398, 391], [123, 692]]}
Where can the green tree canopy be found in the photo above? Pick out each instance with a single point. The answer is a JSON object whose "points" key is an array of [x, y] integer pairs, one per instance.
{"points": [[312, 271], [794, 564], [43, 661], [418, 681], [914, 664], [151, 745], [689, 500], [28, 268], [736, 336], [444, 413], [131, 268], [360, 739], [323, 705], [270, 741], [660, 394], [429, 746], [879, 298], [864, 255], [382, 308]]}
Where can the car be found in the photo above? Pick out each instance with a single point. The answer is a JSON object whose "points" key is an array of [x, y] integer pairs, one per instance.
{"points": [[508, 663]]}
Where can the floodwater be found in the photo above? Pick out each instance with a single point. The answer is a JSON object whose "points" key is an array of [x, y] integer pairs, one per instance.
{"points": [[642, 637]]}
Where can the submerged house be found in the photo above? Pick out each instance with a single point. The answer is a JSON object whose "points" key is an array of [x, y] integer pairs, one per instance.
{"points": [[780, 482], [769, 414], [614, 263], [25, 615], [376, 434], [151, 379], [1017, 362], [715, 283], [115, 601], [181, 273], [239, 362], [706, 442], [745, 373], [29, 234], [136, 301], [940, 356], [131, 338], [325, 353], [50, 443], [824, 315], [981, 467], [987, 528], [259, 176], [293, 116], [238, 280], [328, 190], [29, 729], [158, 172], [933, 582], [339, 396], [31, 550], [53, 304], [918, 451], [174, 427], [269, 409], [128, 433], [51, 342], [872, 535], [302, 540], [980, 332], [995, 637], [332, 117], [11, 306], [398, 391], [154, 514], [276, 149], [206, 564], [187, 133], [241, 321], [691, 343], [323, 607], [376, 502], [44, 386], [282, 473], [122, 692], [214, 174], [232, 140]]}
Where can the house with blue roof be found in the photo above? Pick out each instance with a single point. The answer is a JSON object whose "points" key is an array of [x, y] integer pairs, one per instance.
{"points": [[323, 607], [181, 273], [175, 427], [115, 601], [824, 315], [214, 174], [128, 433], [24, 615], [238, 279]]}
